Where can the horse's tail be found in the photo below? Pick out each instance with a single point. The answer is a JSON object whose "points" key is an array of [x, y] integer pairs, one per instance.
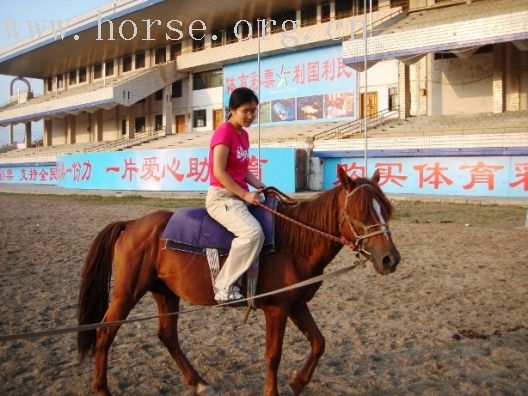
{"points": [[95, 284]]}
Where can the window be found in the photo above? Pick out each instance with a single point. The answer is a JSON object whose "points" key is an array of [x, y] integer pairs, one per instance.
{"points": [[400, 3], [98, 71], [82, 75], [219, 40], [175, 50], [199, 118], [325, 13], [230, 35], [72, 80], [198, 45], [60, 81], [243, 31], [280, 19], [50, 84], [393, 98], [343, 8], [160, 55], [257, 28], [177, 89], [444, 55], [159, 95], [140, 124], [127, 63], [309, 16], [109, 68], [358, 6], [208, 79], [140, 60], [123, 127], [158, 122]]}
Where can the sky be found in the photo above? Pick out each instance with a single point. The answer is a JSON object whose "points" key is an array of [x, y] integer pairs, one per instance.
{"points": [[37, 11]]}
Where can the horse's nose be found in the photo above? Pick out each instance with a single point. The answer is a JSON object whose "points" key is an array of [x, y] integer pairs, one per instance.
{"points": [[391, 260]]}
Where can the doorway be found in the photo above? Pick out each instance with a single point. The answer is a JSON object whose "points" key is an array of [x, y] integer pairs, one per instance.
{"points": [[180, 123], [218, 118], [123, 127], [372, 104]]}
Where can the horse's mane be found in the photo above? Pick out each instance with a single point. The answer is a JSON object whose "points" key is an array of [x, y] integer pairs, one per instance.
{"points": [[322, 212]]}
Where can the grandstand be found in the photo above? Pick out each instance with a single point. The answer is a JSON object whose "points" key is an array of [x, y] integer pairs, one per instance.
{"points": [[441, 78]]}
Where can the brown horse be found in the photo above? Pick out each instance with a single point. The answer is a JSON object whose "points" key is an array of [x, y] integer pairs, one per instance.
{"points": [[357, 210]]}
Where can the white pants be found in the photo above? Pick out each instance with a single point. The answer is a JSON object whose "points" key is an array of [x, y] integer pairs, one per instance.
{"points": [[232, 212]]}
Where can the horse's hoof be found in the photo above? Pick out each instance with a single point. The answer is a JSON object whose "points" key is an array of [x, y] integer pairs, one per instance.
{"points": [[296, 386], [205, 390], [101, 390]]}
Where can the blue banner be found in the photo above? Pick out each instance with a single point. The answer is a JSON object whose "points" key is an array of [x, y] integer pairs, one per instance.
{"points": [[310, 85], [30, 173], [166, 170], [466, 176]]}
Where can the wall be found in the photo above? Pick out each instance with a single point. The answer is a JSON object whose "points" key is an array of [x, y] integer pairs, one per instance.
{"points": [[481, 176], [462, 86], [166, 169], [208, 99], [380, 78], [58, 133], [82, 126], [109, 125]]}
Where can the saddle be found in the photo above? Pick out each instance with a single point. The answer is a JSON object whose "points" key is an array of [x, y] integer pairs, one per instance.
{"points": [[192, 230]]}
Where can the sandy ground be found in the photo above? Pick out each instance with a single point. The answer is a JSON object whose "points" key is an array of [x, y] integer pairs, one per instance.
{"points": [[452, 320]]}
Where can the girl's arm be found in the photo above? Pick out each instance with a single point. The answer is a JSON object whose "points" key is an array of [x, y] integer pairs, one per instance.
{"points": [[220, 154]]}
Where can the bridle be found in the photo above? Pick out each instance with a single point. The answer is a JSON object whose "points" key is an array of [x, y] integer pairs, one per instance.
{"points": [[356, 245], [360, 239]]}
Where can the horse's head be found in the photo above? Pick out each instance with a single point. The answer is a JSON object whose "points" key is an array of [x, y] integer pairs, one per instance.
{"points": [[364, 213]]}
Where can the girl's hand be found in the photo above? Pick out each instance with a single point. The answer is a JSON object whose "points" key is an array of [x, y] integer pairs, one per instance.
{"points": [[252, 197]]}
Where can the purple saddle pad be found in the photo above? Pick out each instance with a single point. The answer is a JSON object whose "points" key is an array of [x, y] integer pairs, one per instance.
{"points": [[193, 230]]}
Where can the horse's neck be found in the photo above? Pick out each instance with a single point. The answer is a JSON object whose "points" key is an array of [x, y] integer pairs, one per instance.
{"points": [[321, 214]]}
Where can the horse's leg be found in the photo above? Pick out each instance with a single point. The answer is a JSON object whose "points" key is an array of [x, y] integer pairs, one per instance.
{"points": [[118, 309], [132, 280], [276, 317], [168, 334], [303, 319]]}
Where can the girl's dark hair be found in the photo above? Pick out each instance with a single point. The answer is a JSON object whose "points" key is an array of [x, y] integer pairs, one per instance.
{"points": [[240, 96]]}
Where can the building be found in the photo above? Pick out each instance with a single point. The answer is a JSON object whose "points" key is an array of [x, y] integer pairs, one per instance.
{"points": [[451, 77], [128, 69]]}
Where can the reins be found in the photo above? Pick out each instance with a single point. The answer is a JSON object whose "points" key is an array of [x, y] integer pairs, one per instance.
{"points": [[360, 239], [283, 198], [356, 245]]}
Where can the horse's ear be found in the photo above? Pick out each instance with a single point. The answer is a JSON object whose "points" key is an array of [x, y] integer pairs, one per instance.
{"points": [[346, 181], [375, 177]]}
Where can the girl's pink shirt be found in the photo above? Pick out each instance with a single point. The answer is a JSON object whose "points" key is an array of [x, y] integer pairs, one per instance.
{"points": [[238, 157]]}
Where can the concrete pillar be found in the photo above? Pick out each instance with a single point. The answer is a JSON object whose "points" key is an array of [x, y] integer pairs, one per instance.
{"points": [[47, 133], [167, 109], [28, 134], [70, 129], [131, 127], [66, 129], [117, 123], [99, 125], [498, 78], [512, 78], [190, 104], [11, 136], [429, 84], [404, 90]]}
